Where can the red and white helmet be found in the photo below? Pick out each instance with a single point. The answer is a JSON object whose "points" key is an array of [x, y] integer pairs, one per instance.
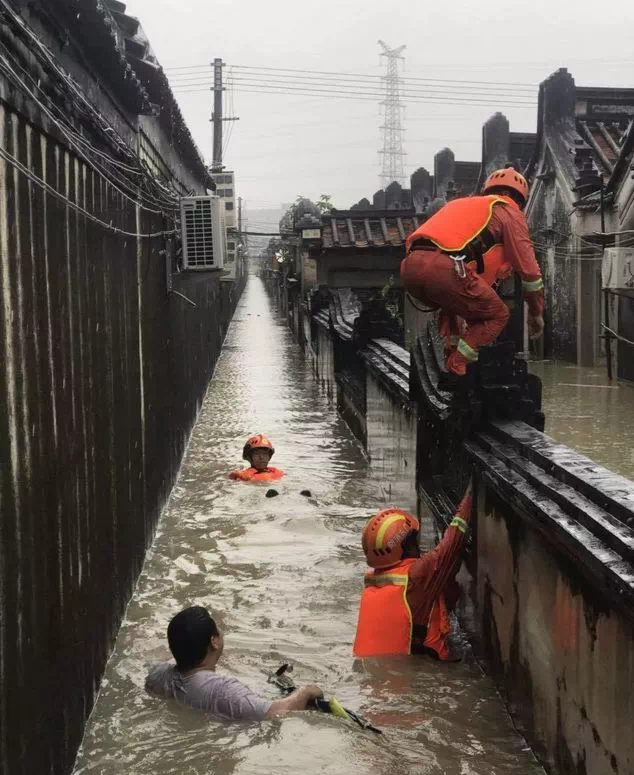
{"points": [[384, 536], [259, 441]]}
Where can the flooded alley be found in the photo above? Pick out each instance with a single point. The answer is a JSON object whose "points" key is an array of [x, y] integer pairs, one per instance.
{"points": [[283, 577], [589, 413]]}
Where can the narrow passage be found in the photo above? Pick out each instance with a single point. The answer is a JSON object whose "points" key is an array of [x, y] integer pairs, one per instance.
{"points": [[283, 577]]}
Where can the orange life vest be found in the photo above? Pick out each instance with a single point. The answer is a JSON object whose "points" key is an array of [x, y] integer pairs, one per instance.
{"points": [[385, 623], [252, 475], [456, 225]]}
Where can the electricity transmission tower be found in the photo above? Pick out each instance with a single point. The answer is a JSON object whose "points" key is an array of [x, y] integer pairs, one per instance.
{"points": [[392, 151]]}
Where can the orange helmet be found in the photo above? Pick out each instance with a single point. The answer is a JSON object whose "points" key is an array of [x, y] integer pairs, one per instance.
{"points": [[260, 441], [384, 536], [507, 178]]}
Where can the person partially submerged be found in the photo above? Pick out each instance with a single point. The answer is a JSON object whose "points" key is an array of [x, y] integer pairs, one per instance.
{"points": [[197, 644], [407, 595], [258, 451]]}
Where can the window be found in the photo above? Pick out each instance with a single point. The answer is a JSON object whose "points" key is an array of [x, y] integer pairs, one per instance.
{"points": [[231, 245], [228, 205], [228, 192]]}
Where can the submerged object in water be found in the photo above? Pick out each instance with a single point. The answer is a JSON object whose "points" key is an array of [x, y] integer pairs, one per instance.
{"points": [[285, 683]]}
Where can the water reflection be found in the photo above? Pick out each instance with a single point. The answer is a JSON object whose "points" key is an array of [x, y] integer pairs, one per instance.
{"points": [[588, 413], [283, 577]]}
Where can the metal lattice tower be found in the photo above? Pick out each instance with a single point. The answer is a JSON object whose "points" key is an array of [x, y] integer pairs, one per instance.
{"points": [[392, 151]]}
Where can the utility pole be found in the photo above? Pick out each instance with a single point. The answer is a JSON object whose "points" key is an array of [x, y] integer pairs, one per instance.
{"points": [[240, 215], [216, 116], [392, 151]]}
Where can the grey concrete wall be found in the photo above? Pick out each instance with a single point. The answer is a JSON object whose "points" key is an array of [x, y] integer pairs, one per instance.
{"points": [[103, 374], [563, 654], [391, 443]]}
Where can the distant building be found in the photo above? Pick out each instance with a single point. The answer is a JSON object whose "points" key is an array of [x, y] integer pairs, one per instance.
{"points": [[580, 175], [225, 189]]}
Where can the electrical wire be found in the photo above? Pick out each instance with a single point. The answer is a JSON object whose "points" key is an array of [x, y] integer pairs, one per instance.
{"points": [[371, 88], [617, 336], [445, 96], [106, 129], [11, 159], [6, 67], [356, 87], [379, 88], [324, 95], [364, 76]]}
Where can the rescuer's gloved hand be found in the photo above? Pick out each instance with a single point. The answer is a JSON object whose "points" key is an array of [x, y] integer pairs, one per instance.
{"points": [[535, 326]]}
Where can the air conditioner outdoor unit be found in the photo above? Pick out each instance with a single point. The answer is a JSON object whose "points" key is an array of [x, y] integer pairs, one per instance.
{"points": [[204, 233], [618, 269]]}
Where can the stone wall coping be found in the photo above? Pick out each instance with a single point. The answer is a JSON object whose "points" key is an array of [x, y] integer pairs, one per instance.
{"points": [[541, 481]]}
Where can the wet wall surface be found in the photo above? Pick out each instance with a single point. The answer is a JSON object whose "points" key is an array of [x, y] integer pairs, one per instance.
{"points": [[589, 413], [283, 577], [101, 379], [562, 650]]}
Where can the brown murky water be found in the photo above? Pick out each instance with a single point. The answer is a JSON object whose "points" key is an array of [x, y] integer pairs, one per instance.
{"points": [[283, 576], [587, 412]]}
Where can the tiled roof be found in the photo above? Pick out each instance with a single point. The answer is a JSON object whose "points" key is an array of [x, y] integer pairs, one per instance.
{"points": [[371, 229], [601, 141], [154, 85], [96, 27]]}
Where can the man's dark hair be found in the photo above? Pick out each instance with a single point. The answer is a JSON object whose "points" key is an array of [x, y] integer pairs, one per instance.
{"points": [[188, 635]]}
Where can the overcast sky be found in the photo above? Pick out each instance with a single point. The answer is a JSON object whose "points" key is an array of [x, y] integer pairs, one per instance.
{"points": [[285, 144]]}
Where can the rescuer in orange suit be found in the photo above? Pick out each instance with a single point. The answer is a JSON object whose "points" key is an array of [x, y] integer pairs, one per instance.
{"points": [[258, 451], [457, 255], [407, 596]]}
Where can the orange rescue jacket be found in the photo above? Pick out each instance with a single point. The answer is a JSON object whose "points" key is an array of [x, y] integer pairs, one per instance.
{"points": [[385, 623], [457, 225], [251, 475]]}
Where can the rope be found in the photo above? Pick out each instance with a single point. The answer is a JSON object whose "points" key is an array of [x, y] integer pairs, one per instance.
{"points": [[617, 336]]}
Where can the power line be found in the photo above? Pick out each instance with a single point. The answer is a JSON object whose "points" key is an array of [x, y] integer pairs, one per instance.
{"points": [[76, 141], [11, 159], [460, 86], [70, 134], [337, 75], [375, 89], [326, 93]]}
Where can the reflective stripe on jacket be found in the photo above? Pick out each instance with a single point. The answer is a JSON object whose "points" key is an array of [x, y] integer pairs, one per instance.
{"points": [[385, 623]]}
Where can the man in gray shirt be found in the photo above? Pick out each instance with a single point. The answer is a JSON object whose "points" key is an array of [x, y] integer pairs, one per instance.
{"points": [[196, 644]]}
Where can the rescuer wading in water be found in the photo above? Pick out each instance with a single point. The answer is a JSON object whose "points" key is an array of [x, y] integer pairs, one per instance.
{"points": [[407, 596], [258, 451], [197, 644], [457, 255]]}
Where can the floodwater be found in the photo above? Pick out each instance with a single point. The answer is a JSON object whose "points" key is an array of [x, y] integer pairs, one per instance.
{"points": [[589, 413], [283, 577]]}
